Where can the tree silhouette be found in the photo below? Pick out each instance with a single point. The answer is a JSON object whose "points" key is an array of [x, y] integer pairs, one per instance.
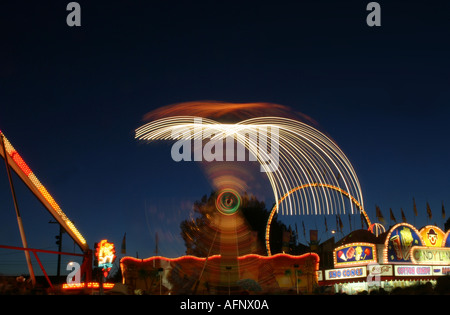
{"points": [[200, 235]]}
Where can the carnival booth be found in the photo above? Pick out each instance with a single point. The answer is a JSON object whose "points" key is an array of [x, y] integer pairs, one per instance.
{"points": [[401, 257], [250, 274]]}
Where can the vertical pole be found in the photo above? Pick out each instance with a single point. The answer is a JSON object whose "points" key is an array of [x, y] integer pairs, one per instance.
{"points": [[58, 270], [160, 272], [19, 219]]}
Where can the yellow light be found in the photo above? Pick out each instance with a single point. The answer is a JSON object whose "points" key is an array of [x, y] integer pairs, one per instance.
{"points": [[89, 285]]}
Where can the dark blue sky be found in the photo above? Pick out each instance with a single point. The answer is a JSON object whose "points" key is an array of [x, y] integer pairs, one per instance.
{"points": [[71, 99]]}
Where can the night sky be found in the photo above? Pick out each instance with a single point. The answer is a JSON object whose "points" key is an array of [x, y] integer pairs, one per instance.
{"points": [[72, 97]]}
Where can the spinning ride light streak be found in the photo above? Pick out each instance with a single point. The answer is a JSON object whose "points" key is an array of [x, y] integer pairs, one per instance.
{"points": [[331, 187], [228, 201], [39, 190], [305, 156]]}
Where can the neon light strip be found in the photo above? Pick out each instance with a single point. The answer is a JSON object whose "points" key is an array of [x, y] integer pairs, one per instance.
{"points": [[201, 259], [12, 152], [89, 285]]}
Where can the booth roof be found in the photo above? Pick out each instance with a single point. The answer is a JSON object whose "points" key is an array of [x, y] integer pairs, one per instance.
{"points": [[361, 235]]}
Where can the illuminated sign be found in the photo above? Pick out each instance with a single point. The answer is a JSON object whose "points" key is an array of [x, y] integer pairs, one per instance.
{"points": [[345, 273], [399, 242], [430, 255], [354, 254], [105, 253], [412, 270], [432, 236]]}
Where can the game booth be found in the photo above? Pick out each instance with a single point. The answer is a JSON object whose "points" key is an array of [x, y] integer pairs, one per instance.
{"points": [[402, 257]]}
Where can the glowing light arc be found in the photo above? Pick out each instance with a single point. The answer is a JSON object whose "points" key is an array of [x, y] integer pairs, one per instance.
{"points": [[275, 207]]}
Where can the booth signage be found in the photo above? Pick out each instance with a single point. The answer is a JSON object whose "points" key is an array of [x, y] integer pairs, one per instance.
{"points": [[441, 270], [413, 270], [105, 253], [345, 273], [399, 243], [354, 254], [380, 270], [432, 236], [430, 255]]}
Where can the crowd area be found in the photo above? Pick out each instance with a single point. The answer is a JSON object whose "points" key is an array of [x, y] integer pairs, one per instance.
{"points": [[22, 286]]}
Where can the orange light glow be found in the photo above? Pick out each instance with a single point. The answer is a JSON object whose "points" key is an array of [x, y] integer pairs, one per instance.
{"points": [[319, 185], [89, 285], [267, 272], [216, 109]]}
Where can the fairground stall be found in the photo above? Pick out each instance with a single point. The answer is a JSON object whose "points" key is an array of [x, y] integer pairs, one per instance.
{"points": [[402, 257], [249, 274]]}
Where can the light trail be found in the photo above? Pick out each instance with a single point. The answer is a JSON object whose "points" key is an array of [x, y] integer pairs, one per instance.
{"points": [[305, 156], [305, 186]]}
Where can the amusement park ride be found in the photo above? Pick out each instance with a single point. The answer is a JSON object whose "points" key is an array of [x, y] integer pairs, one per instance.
{"points": [[15, 162], [307, 171]]}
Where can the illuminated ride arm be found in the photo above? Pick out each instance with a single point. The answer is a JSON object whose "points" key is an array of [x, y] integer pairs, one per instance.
{"points": [[29, 178]]}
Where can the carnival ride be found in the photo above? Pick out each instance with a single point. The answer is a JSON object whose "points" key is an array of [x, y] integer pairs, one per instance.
{"points": [[317, 185], [307, 171], [309, 165], [14, 161]]}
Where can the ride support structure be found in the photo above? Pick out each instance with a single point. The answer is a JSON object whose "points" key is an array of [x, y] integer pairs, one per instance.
{"points": [[15, 162]]}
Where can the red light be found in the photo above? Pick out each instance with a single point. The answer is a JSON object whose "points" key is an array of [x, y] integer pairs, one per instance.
{"points": [[20, 162]]}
